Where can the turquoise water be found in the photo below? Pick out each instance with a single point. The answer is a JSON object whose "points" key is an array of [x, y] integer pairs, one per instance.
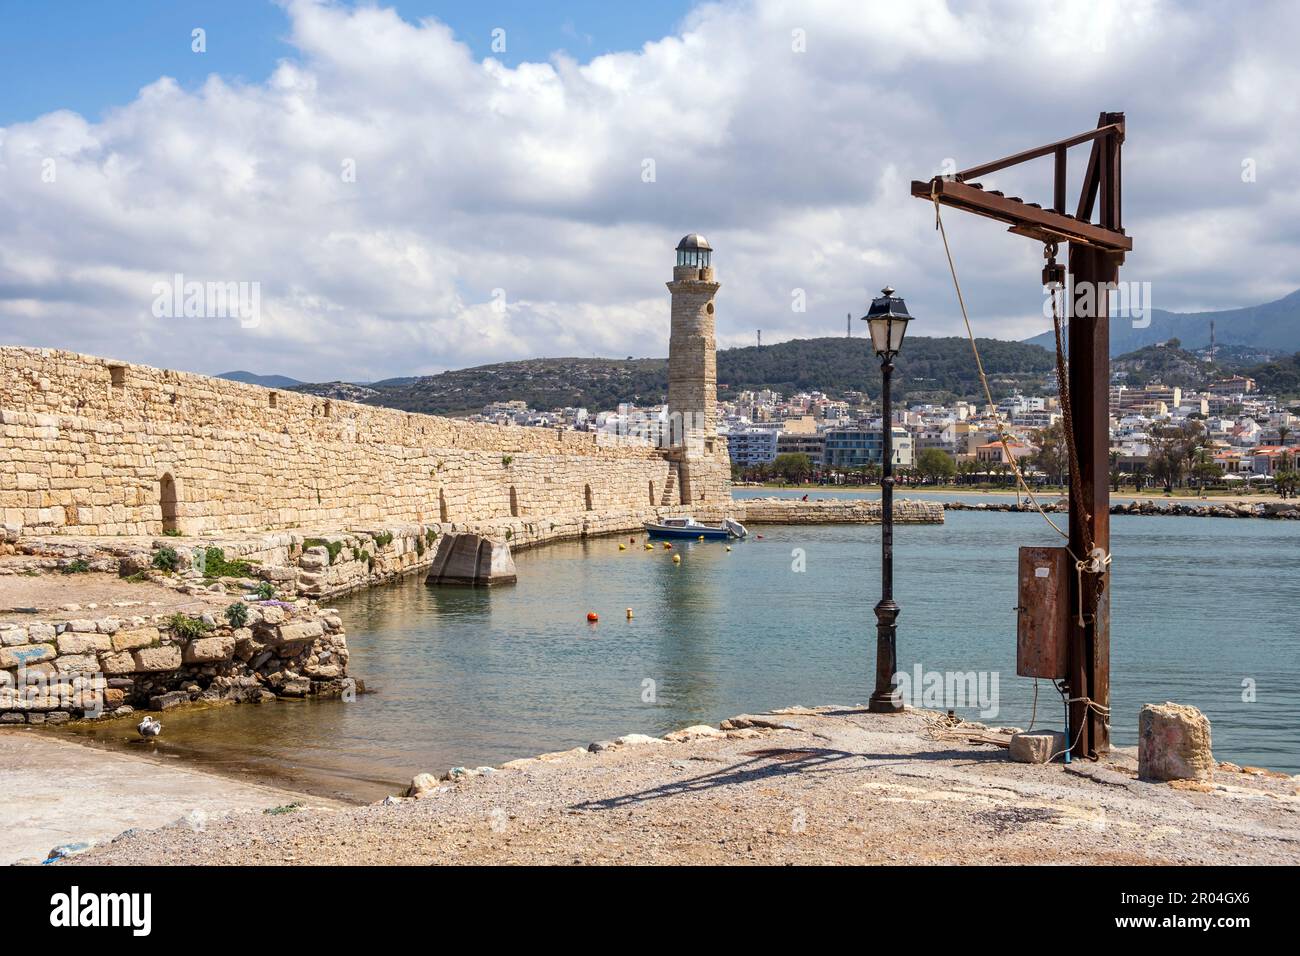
{"points": [[469, 677]]}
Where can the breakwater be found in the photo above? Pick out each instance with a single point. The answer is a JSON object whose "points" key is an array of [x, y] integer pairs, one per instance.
{"points": [[1277, 510]]}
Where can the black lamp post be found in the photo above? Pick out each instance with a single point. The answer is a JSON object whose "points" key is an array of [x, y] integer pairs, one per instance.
{"points": [[887, 318]]}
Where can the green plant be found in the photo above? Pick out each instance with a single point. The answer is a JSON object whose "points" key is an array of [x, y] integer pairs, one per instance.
{"points": [[430, 536], [76, 566], [510, 533], [172, 532], [283, 808], [507, 461], [419, 547], [186, 627], [265, 591], [215, 565], [140, 577], [333, 547], [166, 559], [384, 539], [237, 614]]}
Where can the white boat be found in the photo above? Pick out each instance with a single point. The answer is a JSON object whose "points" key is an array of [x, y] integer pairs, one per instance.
{"points": [[690, 528]]}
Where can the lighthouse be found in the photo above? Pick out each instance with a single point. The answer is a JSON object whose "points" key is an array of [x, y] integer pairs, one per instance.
{"points": [[692, 352], [703, 463]]}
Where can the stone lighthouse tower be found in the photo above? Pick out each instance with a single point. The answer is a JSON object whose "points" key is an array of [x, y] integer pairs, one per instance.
{"points": [[704, 466], [692, 356]]}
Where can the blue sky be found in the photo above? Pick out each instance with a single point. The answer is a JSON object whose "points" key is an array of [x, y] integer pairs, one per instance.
{"points": [[90, 55]]}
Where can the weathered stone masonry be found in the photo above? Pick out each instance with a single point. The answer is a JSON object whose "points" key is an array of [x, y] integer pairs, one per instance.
{"points": [[98, 447]]}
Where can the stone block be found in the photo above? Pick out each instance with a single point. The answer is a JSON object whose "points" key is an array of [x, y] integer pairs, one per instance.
{"points": [[302, 631], [81, 642], [1036, 746], [473, 560], [131, 638], [25, 655], [77, 664], [157, 658], [206, 650], [118, 662], [1174, 743]]}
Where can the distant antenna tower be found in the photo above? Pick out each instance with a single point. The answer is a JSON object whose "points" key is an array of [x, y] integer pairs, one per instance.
{"points": [[1211, 341], [760, 338], [848, 324]]}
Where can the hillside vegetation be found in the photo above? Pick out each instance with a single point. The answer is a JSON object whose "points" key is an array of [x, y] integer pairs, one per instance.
{"points": [[930, 368]]}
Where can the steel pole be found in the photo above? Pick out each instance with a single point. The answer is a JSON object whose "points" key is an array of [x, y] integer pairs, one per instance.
{"points": [[886, 698]]}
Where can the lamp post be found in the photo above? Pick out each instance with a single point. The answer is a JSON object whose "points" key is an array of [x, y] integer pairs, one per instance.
{"points": [[887, 319]]}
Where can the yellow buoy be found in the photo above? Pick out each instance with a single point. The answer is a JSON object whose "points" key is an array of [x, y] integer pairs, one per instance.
{"points": [[677, 559], [728, 547], [667, 546], [649, 547], [701, 537], [622, 547]]}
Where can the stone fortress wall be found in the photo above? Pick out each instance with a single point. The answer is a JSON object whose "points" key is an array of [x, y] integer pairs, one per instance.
{"points": [[93, 446]]}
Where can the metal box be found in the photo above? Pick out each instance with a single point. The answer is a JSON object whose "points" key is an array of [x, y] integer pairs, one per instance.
{"points": [[1043, 630]]}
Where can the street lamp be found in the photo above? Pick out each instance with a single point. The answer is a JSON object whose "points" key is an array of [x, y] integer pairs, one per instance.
{"points": [[887, 318]]}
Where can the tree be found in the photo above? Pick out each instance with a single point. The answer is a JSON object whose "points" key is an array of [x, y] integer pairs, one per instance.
{"points": [[1052, 457], [1286, 483], [1175, 450], [794, 467], [935, 464], [966, 470], [1283, 433], [1206, 469]]}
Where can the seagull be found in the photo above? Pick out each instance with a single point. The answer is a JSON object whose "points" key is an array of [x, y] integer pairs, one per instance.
{"points": [[149, 727]]}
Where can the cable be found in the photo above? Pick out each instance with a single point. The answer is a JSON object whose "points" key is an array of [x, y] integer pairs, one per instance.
{"points": [[979, 365]]}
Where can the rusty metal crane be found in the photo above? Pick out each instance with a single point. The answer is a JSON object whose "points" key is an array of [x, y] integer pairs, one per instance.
{"points": [[1096, 252]]}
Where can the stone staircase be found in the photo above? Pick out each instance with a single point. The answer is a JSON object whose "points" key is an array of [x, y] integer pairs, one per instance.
{"points": [[670, 497]]}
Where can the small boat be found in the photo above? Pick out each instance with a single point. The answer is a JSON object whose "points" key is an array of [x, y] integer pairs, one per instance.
{"points": [[690, 528]]}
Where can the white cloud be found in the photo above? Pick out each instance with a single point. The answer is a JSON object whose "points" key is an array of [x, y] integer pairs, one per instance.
{"points": [[472, 177]]}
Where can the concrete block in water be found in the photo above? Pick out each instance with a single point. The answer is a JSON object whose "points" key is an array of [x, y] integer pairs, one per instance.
{"points": [[1174, 743], [473, 560]]}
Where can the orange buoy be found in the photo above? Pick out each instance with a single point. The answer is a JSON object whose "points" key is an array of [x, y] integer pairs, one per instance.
{"points": [[593, 617]]}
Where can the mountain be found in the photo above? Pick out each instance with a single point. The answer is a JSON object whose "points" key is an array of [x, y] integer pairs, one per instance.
{"points": [[1272, 328], [1281, 378], [1167, 363], [268, 381], [1171, 364], [929, 367]]}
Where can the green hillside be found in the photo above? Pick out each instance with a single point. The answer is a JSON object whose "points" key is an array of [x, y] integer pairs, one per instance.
{"points": [[938, 368]]}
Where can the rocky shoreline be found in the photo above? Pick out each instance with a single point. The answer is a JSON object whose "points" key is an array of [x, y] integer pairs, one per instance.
{"points": [[1274, 510]]}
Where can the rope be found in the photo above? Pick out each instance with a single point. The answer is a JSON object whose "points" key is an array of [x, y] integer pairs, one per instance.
{"points": [[984, 380]]}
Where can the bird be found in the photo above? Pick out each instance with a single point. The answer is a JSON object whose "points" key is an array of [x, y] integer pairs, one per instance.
{"points": [[149, 727]]}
